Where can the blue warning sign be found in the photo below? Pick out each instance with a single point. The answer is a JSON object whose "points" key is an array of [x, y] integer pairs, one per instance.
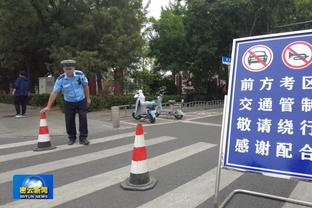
{"points": [[269, 119]]}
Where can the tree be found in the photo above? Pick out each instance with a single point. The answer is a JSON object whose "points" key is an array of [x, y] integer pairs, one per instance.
{"points": [[23, 39], [121, 46], [103, 34], [211, 26], [167, 41], [110, 33]]}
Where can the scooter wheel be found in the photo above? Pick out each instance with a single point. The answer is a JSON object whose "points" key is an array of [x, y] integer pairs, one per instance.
{"points": [[136, 117], [178, 117], [152, 120]]}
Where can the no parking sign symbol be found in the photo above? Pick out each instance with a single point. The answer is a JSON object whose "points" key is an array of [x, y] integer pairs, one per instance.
{"points": [[297, 55], [257, 58]]}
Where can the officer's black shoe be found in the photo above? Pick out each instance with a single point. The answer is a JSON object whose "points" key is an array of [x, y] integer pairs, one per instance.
{"points": [[71, 142], [84, 142]]}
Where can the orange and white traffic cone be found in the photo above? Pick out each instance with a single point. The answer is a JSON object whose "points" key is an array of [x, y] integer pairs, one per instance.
{"points": [[139, 179], [44, 142]]}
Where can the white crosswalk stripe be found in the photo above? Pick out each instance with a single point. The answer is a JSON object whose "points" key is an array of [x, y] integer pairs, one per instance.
{"points": [[92, 184], [31, 153], [303, 192], [77, 160], [188, 194], [202, 123], [17, 144], [194, 192]]}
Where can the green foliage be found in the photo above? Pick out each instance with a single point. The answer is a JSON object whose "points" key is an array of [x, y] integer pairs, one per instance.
{"points": [[102, 35], [23, 42], [96, 103], [6, 98], [38, 99], [193, 38], [151, 81], [34, 99], [90, 61], [168, 45], [177, 98], [146, 80], [41, 100], [106, 36], [168, 82], [118, 100]]}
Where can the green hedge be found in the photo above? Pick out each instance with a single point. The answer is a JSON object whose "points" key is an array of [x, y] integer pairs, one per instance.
{"points": [[117, 100], [33, 99], [5, 98], [38, 99], [97, 102]]}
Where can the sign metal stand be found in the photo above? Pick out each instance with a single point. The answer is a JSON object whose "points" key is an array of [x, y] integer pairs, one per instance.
{"points": [[305, 57], [241, 191]]}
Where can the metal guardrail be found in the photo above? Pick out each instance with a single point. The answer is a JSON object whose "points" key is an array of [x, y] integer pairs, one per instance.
{"points": [[202, 105], [126, 110]]}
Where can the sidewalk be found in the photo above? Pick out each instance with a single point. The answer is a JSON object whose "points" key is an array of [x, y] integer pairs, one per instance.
{"points": [[11, 127]]}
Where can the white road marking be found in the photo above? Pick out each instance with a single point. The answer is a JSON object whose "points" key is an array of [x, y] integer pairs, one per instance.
{"points": [[31, 153], [202, 123], [77, 160], [17, 144], [302, 191], [95, 183], [194, 192], [200, 117]]}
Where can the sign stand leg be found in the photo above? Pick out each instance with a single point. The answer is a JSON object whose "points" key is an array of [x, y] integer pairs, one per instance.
{"points": [[269, 196], [218, 179], [218, 175]]}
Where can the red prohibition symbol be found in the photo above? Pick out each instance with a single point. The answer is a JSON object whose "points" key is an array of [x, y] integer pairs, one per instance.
{"points": [[297, 55], [257, 58]]}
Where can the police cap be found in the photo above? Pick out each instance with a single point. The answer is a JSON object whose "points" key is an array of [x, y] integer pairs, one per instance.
{"points": [[68, 63]]}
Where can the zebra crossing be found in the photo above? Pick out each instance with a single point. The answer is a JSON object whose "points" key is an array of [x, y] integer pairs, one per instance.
{"points": [[301, 191], [191, 193], [77, 160], [30, 153], [187, 195]]}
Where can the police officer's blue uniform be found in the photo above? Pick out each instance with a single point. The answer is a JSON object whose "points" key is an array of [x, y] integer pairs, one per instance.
{"points": [[74, 101]]}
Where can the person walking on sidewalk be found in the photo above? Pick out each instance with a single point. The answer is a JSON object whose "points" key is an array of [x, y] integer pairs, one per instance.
{"points": [[189, 91], [21, 90], [74, 85]]}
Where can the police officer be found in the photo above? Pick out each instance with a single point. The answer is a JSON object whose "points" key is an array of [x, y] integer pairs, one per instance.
{"points": [[76, 98]]}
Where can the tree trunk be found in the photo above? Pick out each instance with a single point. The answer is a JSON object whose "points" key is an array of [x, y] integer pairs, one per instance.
{"points": [[99, 83], [118, 82], [92, 83], [178, 82], [28, 69]]}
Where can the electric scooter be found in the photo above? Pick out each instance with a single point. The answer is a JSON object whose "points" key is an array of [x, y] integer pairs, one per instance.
{"points": [[144, 109], [175, 108]]}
